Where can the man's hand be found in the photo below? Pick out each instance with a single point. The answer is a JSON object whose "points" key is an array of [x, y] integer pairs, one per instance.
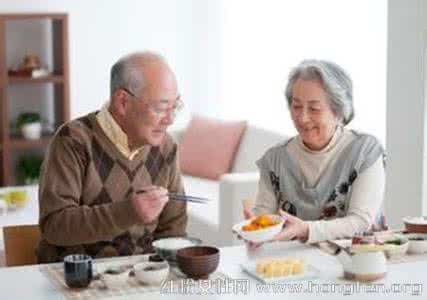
{"points": [[150, 203]]}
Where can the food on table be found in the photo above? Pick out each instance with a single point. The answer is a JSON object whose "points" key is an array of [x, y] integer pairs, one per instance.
{"points": [[260, 222], [174, 244], [280, 267], [116, 270], [17, 198], [392, 245], [396, 242], [155, 258], [154, 268]]}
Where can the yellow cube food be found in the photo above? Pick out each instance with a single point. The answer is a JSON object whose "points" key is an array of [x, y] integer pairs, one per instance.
{"points": [[280, 267]]}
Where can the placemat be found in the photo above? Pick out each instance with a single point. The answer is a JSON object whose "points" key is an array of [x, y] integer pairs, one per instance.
{"points": [[96, 289]]}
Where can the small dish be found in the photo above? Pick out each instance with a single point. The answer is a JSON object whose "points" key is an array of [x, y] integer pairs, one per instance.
{"points": [[115, 277], [152, 273], [417, 243], [260, 235], [396, 246]]}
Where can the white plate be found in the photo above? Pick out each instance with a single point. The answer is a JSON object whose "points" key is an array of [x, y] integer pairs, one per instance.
{"points": [[416, 220], [260, 235], [309, 273]]}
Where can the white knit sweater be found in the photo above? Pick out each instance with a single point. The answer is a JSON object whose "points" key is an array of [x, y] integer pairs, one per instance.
{"points": [[367, 190]]}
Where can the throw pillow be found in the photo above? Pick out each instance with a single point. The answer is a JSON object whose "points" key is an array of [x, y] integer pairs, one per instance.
{"points": [[208, 146]]}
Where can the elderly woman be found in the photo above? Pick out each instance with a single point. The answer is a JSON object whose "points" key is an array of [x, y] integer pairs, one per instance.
{"points": [[328, 181]]}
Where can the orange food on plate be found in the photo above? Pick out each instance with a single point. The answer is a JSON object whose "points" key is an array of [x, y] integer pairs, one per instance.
{"points": [[259, 222]]}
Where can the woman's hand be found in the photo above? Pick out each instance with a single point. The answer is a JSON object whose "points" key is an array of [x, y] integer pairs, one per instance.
{"points": [[248, 214], [295, 228]]}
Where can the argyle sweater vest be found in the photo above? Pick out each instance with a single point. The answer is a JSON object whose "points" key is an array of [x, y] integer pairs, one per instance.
{"points": [[86, 185]]}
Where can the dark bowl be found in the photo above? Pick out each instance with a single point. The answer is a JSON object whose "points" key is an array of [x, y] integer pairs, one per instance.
{"points": [[413, 225], [416, 228], [198, 262]]}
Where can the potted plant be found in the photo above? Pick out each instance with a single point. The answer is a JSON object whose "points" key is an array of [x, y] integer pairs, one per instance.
{"points": [[29, 169], [29, 123]]}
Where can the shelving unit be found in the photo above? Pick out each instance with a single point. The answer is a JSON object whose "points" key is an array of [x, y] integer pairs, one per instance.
{"points": [[59, 79]]}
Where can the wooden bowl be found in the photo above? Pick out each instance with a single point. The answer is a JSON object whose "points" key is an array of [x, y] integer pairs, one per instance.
{"points": [[198, 262], [416, 224]]}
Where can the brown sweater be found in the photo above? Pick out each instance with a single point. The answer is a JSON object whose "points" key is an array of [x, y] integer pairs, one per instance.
{"points": [[85, 193]]}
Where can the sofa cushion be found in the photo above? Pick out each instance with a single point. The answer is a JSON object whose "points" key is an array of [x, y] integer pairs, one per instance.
{"points": [[255, 142], [208, 146]]}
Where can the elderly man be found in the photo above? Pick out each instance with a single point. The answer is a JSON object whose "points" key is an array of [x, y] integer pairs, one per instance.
{"points": [[105, 178]]}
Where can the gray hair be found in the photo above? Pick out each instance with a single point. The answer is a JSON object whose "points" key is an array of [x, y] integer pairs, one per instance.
{"points": [[335, 81], [126, 72]]}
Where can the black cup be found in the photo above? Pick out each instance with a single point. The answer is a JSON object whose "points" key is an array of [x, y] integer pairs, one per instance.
{"points": [[78, 270]]}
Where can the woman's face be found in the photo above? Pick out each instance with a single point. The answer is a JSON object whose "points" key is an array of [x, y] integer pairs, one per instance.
{"points": [[311, 113]]}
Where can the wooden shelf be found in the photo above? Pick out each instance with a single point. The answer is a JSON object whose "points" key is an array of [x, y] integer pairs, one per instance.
{"points": [[22, 143], [44, 79], [57, 41]]}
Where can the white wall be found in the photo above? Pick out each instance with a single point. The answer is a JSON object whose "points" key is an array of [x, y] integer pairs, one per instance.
{"points": [[405, 192], [102, 31], [264, 39]]}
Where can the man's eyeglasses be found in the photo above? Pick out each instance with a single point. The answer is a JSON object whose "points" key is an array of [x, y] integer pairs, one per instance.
{"points": [[162, 110]]}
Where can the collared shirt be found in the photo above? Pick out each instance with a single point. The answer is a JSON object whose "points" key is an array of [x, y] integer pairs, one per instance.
{"points": [[115, 133]]}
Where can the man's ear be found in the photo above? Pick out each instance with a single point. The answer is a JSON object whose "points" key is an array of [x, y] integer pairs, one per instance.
{"points": [[119, 101]]}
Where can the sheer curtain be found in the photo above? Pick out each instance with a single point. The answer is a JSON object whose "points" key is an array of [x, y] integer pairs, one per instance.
{"points": [[261, 40]]}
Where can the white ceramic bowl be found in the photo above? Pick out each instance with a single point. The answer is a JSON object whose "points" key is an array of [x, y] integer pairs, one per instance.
{"points": [[396, 251], [152, 273], [166, 248], [260, 235], [417, 246], [115, 280]]}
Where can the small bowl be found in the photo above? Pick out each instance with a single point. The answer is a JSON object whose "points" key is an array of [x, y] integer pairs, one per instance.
{"points": [[260, 235], [167, 248], [417, 246], [396, 251], [416, 224], [198, 262], [152, 273], [115, 278]]}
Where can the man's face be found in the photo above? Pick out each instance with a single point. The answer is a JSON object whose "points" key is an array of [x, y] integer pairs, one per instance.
{"points": [[148, 116]]}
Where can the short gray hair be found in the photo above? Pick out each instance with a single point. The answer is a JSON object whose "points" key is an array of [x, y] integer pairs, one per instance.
{"points": [[126, 72], [335, 81]]}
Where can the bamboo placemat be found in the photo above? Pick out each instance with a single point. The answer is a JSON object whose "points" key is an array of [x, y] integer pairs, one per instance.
{"points": [[96, 289]]}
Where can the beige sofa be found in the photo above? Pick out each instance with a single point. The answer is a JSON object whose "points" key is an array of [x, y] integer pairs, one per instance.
{"points": [[213, 222]]}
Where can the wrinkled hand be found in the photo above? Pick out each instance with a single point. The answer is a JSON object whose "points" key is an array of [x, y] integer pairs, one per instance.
{"points": [[149, 205], [295, 228]]}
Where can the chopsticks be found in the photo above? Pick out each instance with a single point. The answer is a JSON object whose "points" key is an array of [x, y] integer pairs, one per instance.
{"points": [[181, 197]]}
